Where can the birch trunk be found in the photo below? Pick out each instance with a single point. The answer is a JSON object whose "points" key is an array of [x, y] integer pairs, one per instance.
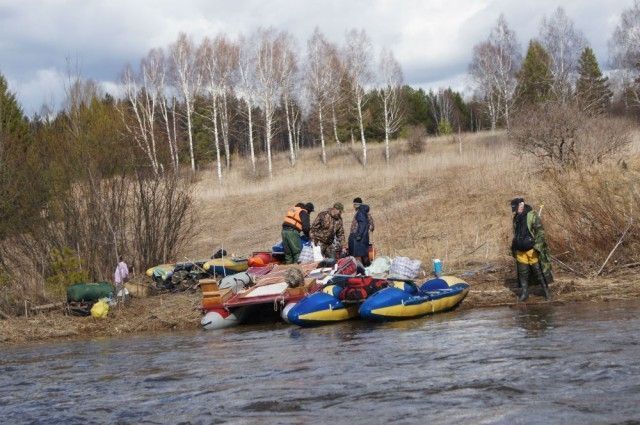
{"points": [[251, 147], [224, 121], [216, 138], [335, 124], [324, 152], [364, 142], [292, 153], [386, 129]]}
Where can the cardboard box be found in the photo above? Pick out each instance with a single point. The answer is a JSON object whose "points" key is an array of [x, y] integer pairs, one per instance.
{"points": [[214, 299], [208, 285]]}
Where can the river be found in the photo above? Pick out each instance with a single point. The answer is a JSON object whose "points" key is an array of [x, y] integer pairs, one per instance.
{"points": [[574, 364]]}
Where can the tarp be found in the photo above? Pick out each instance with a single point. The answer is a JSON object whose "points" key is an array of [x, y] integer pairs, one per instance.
{"points": [[89, 291]]}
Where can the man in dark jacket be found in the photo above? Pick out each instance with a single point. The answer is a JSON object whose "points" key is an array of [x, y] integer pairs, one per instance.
{"points": [[296, 220], [327, 228], [529, 248], [361, 225]]}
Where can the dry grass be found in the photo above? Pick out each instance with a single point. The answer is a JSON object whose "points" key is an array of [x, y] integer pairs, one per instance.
{"points": [[157, 313], [437, 204]]}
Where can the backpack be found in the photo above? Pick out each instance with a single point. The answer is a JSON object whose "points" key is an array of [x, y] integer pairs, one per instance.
{"points": [[359, 288]]}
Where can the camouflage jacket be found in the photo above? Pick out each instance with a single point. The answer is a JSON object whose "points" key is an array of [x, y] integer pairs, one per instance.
{"points": [[325, 228]]}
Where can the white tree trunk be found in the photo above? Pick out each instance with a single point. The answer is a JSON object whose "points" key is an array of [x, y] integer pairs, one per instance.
{"points": [[268, 127], [224, 121], [216, 138], [361, 123], [335, 124], [386, 129], [322, 144], [191, 154], [292, 153], [251, 147], [175, 135]]}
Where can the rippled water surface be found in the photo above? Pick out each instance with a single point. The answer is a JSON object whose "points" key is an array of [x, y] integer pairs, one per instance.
{"points": [[544, 364]]}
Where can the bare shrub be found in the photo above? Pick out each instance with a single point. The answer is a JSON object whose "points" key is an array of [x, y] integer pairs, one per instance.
{"points": [[562, 136], [416, 136], [162, 218], [587, 213], [145, 218]]}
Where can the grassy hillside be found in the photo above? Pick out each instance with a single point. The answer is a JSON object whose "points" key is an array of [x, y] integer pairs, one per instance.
{"points": [[447, 202]]}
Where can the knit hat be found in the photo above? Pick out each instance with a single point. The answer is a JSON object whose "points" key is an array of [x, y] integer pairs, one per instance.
{"points": [[338, 206], [515, 202], [357, 200]]}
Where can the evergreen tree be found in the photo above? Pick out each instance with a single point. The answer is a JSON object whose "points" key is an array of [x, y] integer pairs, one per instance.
{"points": [[535, 79], [592, 88], [22, 193], [12, 121]]}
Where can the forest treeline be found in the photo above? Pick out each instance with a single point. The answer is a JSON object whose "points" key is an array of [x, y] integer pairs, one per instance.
{"points": [[107, 172]]}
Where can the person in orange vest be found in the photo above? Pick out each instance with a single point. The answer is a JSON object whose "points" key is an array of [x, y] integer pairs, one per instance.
{"points": [[295, 221]]}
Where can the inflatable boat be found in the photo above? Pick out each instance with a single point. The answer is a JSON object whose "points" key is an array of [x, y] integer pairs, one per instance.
{"points": [[259, 294], [405, 300], [160, 272], [225, 266], [338, 300]]}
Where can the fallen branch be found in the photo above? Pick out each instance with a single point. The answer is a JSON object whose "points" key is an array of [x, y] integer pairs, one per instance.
{"points": [[616, 247], [568, 267], [472, 251]]}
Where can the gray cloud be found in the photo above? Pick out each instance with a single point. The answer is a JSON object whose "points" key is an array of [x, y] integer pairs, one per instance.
{"points": [[433, 40]]}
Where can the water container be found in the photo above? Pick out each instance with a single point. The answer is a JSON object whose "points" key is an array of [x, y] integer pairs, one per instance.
{"points": [[437, 267]]}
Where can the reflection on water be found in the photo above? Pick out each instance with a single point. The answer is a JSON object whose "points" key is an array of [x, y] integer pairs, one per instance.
{"points": [[535, 319], [528, 364]]}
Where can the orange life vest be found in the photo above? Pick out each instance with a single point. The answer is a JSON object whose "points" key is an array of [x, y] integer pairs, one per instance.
{"points": [[293, 218]]}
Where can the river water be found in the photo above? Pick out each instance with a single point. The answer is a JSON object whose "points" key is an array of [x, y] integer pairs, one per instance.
{"points": [[574, 364]]}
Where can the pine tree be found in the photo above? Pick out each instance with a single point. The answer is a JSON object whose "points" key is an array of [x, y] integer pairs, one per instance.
{"points": [[22, 192], [12, 121], [535, 79], [592, 89]]}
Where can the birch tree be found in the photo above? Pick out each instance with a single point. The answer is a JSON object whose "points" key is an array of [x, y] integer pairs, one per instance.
{"points": [[208, 69], [564, 43], [155, 74], [482, 75], [358, 64], [141, 104], [226, 54], [494, 65], [187, 79], [390, 91], [624, 48], [268, 76], [247, 88], [317, 81], [289, 82]]}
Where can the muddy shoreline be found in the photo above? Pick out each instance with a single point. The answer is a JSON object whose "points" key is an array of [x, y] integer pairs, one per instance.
{"points": [[178, 312]]}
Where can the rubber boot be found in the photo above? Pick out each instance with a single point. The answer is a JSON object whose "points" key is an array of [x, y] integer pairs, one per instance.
{"points": [[523, 280], [537, 271]]}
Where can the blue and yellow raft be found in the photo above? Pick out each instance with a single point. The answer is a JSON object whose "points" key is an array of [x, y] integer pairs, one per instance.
{"points": [[321, 308], [405, 300], [226, 266]]}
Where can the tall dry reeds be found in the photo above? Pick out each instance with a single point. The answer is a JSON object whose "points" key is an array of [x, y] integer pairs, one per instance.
{"points": [[594, 217]]}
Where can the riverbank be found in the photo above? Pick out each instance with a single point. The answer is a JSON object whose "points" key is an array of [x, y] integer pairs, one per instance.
{"points": [[176, 312]]}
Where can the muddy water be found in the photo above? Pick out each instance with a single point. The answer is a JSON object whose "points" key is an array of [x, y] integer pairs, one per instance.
{"points": [[551, 364]]}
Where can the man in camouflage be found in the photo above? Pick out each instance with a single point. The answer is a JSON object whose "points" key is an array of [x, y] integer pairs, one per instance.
{"points": [[327, 229]]}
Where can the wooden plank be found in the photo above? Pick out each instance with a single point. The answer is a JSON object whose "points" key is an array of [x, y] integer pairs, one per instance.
{"points": [[47, 306]]}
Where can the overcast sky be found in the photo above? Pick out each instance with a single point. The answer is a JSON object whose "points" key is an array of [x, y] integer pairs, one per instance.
{"points": [[432, 39]]}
